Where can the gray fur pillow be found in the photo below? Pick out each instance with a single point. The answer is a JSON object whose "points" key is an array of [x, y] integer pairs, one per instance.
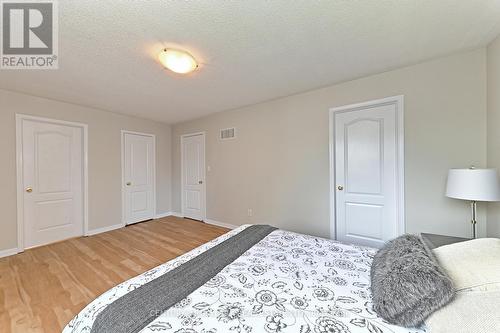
{"points": [[407, 282]]}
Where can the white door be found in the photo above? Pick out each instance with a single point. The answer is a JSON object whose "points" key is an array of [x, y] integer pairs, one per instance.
{"points": [[138, 177], [52, 182], [367, 174], [193, 176]]}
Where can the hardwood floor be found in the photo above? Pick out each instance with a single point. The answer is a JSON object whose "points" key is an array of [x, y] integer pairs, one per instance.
{"points": [[42, 289]]}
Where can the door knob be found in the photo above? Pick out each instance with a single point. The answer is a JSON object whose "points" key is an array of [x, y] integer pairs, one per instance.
{"points": [[200, 182], [340, 188], [129, 183], [29, 189]]}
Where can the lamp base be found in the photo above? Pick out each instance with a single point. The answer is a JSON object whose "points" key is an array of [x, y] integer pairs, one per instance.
{"points": [[473, 221]]}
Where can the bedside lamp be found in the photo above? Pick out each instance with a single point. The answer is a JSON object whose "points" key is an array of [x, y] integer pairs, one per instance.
{"points": [[473, 185]]}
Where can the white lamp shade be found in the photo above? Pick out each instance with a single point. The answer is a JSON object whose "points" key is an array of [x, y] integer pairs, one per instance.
{"points": [[473, 184]]}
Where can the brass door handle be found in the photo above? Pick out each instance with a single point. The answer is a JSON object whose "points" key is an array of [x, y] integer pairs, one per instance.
{"points": [[340, 188], [129, 183], [29, 189]]}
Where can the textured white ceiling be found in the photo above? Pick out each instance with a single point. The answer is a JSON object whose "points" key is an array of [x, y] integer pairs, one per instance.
{"points": [[251, 51]]}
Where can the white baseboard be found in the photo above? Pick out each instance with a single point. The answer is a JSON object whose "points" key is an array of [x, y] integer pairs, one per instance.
{"points": [[176, 214], [8, 252], [104, 229], [209, 221], [162, 215], [221, 224], [217, 223]]}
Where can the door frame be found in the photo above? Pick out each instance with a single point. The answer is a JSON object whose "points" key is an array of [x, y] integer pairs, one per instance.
{"points": [[123, 132], [398, 101], [19, 172], [204, 196]]}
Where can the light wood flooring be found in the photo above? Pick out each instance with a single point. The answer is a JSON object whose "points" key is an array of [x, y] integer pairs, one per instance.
{"points": [[42, 289]]}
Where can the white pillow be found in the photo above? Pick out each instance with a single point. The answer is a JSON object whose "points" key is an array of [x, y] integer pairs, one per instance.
{"points": [[469, 312], [472, 265]]}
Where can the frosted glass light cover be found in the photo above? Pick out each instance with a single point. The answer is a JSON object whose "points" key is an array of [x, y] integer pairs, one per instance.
{"points": [[178, 61]]}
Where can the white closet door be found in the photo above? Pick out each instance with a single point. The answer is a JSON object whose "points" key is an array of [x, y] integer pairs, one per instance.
{"points": [[52, 156], [366, 175], [138, 177], [193, 177]]}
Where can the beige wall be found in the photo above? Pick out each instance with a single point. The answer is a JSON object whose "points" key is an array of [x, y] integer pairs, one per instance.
{"points": [[494, 128], [279, 164], [104, 159]]}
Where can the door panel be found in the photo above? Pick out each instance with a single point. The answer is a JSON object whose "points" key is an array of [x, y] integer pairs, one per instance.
{"points": [[138, 177], [52, 181], [53, 162], [364, 147], [139, 201], [366, 171], [50, 213], [192, 166], [369, 220], [193, 199], [193, 177]]}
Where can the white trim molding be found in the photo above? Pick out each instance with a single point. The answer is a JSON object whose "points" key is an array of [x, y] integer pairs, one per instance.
{"points": [[104, 229], [221, 224], [207, 221], [9, 252], [19, 170], [176, 214], [398, 102], [123, 132], [162, 215], [204, 197]]}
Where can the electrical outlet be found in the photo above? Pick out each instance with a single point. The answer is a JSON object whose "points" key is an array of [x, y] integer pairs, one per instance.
{"points": [[250, 212]]}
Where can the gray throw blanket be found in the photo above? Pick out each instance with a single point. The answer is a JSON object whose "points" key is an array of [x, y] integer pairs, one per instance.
{"points": [[135, 310]]}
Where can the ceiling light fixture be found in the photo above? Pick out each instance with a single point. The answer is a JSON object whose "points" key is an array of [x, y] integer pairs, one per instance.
{"points": [[178, 61]]}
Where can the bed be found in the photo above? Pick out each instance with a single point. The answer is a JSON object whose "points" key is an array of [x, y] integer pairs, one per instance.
{"points": [[285, 282]]}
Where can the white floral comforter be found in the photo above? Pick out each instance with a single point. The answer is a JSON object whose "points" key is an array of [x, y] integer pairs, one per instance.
{"points": [[287, 282]]}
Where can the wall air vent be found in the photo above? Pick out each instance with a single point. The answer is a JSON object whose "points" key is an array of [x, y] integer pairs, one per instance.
{"points": [[227, 133]]}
